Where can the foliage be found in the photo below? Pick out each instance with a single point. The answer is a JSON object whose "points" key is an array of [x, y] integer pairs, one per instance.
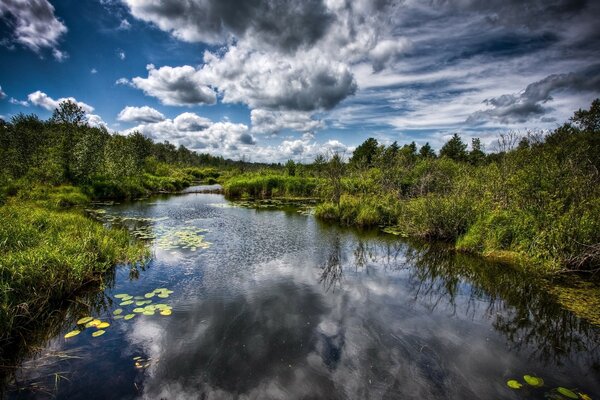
{"points": [[47, 254]]}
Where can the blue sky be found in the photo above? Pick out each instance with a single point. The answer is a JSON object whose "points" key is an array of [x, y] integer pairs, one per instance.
{"points": [[273, 80]]}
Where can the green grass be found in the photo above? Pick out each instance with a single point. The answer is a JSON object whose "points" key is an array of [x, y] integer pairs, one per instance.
{"points": [[48, 254], [265, 186]]}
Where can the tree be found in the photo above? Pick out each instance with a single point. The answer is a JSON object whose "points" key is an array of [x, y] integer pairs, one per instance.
{"points": [[68, 112], [588, 120], [426, 151], [455, 149], [364, 155], [290, 167], [476, 155], [334, 171]]}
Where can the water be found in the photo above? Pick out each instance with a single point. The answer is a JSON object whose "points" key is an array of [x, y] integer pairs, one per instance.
{"points": [[282, 306]]}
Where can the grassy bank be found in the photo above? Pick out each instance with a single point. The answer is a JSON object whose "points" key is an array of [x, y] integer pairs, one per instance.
{"points": [[48, 251], [270, 184]]}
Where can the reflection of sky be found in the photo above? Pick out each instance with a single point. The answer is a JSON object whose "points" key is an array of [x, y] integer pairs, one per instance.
{"points": [[281, 306]]}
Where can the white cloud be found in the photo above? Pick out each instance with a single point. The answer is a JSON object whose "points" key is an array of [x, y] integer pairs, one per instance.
{"points": [[304, 81], [199, 133], [2, 94], [125, 25], [123, 82], [41, 99], [175, 86], [265, 121], [93, 71], [140, 114], [34, 25], [96, 121], [121, 54], [23, 103]]}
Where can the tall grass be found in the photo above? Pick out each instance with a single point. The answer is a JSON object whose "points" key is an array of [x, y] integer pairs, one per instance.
{"points": [[264, 186], [47, 254]]}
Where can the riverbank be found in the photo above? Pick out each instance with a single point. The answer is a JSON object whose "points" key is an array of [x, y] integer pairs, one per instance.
{"points": [[49, 249]]}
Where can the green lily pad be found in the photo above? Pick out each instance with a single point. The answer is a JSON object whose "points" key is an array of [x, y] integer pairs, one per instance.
{"points": [[166, 312], [533, 380], [103, 325], [121, 295], [84, 320], [147, 312], [567, 393], [128, 317], [514, 384], [118, 317], [94, 322], [149, 295], [163, 295], [126, 303], [118, 311], [72, 333], [138, 310], [140, 303], [98, 333]]}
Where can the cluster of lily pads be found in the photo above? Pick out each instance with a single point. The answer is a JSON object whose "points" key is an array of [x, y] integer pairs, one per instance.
{"points": [[89, 322], [559, 393], [142, 305], [188, 238]]}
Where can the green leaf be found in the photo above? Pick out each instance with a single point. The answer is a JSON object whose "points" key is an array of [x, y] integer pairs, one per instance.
{"points": [[118, 311], [566, 392], [128, 317], [84, 320], [98, 333], [126, 303], [121, 295], [72, 333], [514, 384], [533, 380]]}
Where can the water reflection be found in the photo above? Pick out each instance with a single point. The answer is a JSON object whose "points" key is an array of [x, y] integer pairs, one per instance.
{"points": [[282, 306]]}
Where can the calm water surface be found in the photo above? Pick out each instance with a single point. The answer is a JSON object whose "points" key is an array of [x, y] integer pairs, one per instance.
{"points": [[281, 306]]}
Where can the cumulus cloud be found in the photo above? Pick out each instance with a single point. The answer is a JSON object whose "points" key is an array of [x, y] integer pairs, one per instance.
{"points": [[96, 121], [303, 82], [2, 94], [124, 25], [265, 121], [140, 114], [34, 25], [18, 102], [199, 133], [174, 86], [286, 24], [41, 99]]}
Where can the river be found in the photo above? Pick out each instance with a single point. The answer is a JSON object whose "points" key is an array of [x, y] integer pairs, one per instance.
{"points": [[274, 304]]}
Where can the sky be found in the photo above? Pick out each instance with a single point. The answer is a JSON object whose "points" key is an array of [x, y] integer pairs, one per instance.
{"points": [[271, 80]]}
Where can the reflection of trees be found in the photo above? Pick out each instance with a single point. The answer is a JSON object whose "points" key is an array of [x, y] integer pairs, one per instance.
{"points": [[331, 275], [518, 304]]}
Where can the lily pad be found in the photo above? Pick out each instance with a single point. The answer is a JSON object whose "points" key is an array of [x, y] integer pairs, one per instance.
{"points": [[103, 325], [163, 295], [567, 393], [84, 320], [166, 312], [149, 295], [147, 312], [514, 384], [94, 322], [72, 333], [118, 311], [533, 380], [126, 303], [140, 303], [118, 317], [138, 310], [128, 317], [121, 295], [98, 333]]}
